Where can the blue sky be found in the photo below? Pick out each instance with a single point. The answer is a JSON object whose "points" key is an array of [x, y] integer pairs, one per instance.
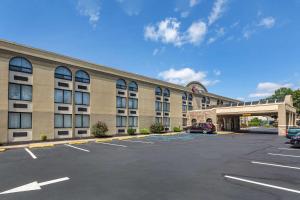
{"points": [[241, 49]]}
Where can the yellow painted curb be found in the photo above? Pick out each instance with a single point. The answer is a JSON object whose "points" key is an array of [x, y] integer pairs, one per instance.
{"points": [[105, 140], [40, 145], [78, 142], [2, 150], [124, 138]]}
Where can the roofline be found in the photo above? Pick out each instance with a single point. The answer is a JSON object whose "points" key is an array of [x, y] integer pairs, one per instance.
{"points": [[52, 56]]}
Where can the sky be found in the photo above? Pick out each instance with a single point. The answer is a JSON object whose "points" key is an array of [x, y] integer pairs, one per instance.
{"points": [[240, 49]]}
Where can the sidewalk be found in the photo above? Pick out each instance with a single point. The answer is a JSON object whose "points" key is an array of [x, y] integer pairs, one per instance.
{"points": [[80, 141]]}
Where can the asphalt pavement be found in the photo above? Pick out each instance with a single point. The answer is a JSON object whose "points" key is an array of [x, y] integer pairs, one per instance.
{"points": [[185, 167]]}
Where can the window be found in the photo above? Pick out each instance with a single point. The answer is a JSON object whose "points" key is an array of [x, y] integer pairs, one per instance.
{"points": [[183, 108], [158, 120], [20, 64], [184, 96], [82, 121], [121, 84], [63, 96], [63, 121], [82, 76], [158, 91], [133, 86], [190, 107], [190, 97], [208, 100], [184, 122], [19, 120], [132, 103], [166, 122], [121, 102], [133, 121], [121, 121], [82, 98], [166, 92], [158, 106], [20, 92], [166, 107], [203, 100], [63, 73]]}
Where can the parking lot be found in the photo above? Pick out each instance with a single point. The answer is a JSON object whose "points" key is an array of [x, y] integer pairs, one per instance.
{"points": [[185, 166]]}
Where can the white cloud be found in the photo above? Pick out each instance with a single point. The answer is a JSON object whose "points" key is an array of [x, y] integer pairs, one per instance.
{"points": [[217, 11], [219, 33], [196, 32], [185, 75], [217, 72], [90, 9], [266, 89], [168, 31], [158, 51], [131, 7], [267, 22], [194, 3], [184, 14]]}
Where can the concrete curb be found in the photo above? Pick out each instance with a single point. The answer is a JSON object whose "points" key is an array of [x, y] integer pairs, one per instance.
{"points": [[81, 141]]}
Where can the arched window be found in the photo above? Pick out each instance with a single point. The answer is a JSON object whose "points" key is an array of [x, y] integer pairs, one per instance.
{"points": [[121, 84], [166, 92], [158, 91], [203, 99], [208, 100], [184, 96], [190, 97], [82, 76], [20, 64], [133, 86], [63, 73]]}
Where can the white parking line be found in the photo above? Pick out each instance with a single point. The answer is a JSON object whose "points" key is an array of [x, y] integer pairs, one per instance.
{"points": [[30, 153], [290, 149], [138, 141], [284, 155], [77, 148], [119, 145], [262, 184], [275, 165]]}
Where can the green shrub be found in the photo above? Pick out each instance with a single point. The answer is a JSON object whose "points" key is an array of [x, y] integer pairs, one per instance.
{"points": [[131, 131], [144, 131], [100, 129], [43, 137], [156, 128], [176, 129]]}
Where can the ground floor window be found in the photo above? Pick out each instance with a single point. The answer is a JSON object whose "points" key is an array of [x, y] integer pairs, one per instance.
{"points": [[133, 121], [63, 121], [184, 122], [121, 121], [17, 120], [82, 121], [158, 120], [166, 122]]}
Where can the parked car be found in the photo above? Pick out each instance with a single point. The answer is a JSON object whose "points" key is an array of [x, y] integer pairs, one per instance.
{"points": [[208, 128], [292, 131], [295, 140]]}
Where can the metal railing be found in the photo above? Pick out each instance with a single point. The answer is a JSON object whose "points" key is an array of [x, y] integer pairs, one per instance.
{"points": [[248, 103]]}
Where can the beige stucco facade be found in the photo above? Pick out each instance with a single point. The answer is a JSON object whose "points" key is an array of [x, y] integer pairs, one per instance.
{"points": [[102, 97]]}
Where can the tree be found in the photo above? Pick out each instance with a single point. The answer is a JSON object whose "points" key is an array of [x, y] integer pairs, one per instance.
{"points": [[281, 93], [255, 122], [296, 100]]}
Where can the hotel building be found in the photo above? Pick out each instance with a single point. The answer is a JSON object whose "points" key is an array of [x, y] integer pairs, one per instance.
{"points": [[44, 93]]}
